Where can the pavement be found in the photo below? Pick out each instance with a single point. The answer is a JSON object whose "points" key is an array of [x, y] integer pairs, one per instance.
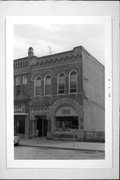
{"points": [[58, 144]]}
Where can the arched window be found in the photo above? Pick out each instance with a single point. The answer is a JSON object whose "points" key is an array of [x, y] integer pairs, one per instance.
{"points": [[38, 86], [48, 85], [24, 84], [73, 82], [61, 83]]}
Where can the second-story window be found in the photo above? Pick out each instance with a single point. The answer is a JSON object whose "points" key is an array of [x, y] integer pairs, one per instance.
{"points": [[61, 83], [48, 85], [38, 86], [24, 84], [73, 82], [18, 83]]}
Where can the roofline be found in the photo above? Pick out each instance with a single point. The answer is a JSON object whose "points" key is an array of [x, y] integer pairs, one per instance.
{"points": [[91, 55], [52, 55], [21, 58], [55, 54]]}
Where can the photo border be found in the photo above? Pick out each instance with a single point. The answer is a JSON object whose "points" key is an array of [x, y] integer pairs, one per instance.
{"points": [[10, 22]]}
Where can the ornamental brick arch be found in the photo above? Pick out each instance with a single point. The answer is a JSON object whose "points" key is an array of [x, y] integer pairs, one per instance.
{"points": [[42, 74], [35, 74], [74, 68], [66, 102], [46, 72]]}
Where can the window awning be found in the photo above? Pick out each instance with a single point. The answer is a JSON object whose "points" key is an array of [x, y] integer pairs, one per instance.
{"points": [[21, 114]]}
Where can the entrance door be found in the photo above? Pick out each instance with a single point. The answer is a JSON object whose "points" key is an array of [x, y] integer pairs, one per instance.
{"points": [[42, 126]]}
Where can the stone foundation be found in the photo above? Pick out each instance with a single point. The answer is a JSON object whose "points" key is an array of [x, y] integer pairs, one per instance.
{"points": [[86, 136], [94, 136]]}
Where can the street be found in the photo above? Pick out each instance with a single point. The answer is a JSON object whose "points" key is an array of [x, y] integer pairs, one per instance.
{"points": [[22, 152]]}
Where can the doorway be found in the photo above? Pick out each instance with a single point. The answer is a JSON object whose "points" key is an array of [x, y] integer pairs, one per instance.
{"points": [[42, 126]]}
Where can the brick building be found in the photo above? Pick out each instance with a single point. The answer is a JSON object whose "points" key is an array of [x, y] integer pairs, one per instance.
{"points": [[59, 94]]}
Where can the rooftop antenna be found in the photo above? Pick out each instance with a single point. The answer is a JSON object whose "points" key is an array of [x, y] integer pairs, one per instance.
{"points": [[50, 50]]}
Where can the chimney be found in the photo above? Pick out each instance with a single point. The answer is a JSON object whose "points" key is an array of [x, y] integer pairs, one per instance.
{"points": [[30, 52]]}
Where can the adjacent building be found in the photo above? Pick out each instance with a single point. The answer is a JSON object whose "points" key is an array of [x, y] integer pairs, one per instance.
{"points": [[59, 95]]}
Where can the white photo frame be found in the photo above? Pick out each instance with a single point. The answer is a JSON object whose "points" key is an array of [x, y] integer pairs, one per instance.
{"points": [[106, 21]]}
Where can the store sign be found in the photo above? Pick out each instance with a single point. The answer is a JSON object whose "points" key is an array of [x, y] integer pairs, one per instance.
{"points": [[19, 109], [39, 112], [66, 111]]}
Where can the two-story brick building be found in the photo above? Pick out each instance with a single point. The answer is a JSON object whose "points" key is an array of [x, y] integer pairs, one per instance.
{"points": [[58, 94]]}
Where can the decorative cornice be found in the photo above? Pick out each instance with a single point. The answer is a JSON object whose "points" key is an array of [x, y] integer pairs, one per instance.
{"points": [[53, 59]]}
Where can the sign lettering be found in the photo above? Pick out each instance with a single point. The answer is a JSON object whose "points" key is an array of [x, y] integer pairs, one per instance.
{"points": [[19, 109], [66, 111]]}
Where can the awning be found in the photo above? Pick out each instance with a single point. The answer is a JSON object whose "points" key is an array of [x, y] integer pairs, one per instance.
{"points": [[21, 114]]}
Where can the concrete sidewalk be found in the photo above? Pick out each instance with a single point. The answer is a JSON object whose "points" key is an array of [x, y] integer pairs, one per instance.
{"points": [[58, 144]]}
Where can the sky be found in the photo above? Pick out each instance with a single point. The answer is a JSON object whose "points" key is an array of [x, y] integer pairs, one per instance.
{"points": [[53, 38]]}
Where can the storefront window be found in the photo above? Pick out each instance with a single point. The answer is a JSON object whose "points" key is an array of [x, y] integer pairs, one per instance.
{"points": [[48, 85], [38, 86], [18, 85], [19, 125], [61, 84], [67, 122], [73, 82], [24, 84]]}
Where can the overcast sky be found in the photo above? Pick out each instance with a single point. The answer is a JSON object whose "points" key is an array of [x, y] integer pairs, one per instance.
{"points": [[59, 38]]}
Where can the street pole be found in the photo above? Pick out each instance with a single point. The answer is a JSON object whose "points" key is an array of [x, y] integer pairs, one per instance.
{"points": [[17, 126], [73, 139], [73, 132], [37, 135]]}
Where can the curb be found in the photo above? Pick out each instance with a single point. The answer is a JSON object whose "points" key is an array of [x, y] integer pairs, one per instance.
{"points": [[63, 148]]}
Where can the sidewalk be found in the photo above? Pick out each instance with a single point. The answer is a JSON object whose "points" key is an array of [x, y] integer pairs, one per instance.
{"points": [[57, 144]]}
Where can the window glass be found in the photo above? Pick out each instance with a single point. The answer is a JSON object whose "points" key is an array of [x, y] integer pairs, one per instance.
{"points": [[24, 84], [61, 85], [48, 80], [18, 85], [38, 86], [68, 122], [17, 80], [48, 85], [73, 82], [19, 125], [25, 79]]}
